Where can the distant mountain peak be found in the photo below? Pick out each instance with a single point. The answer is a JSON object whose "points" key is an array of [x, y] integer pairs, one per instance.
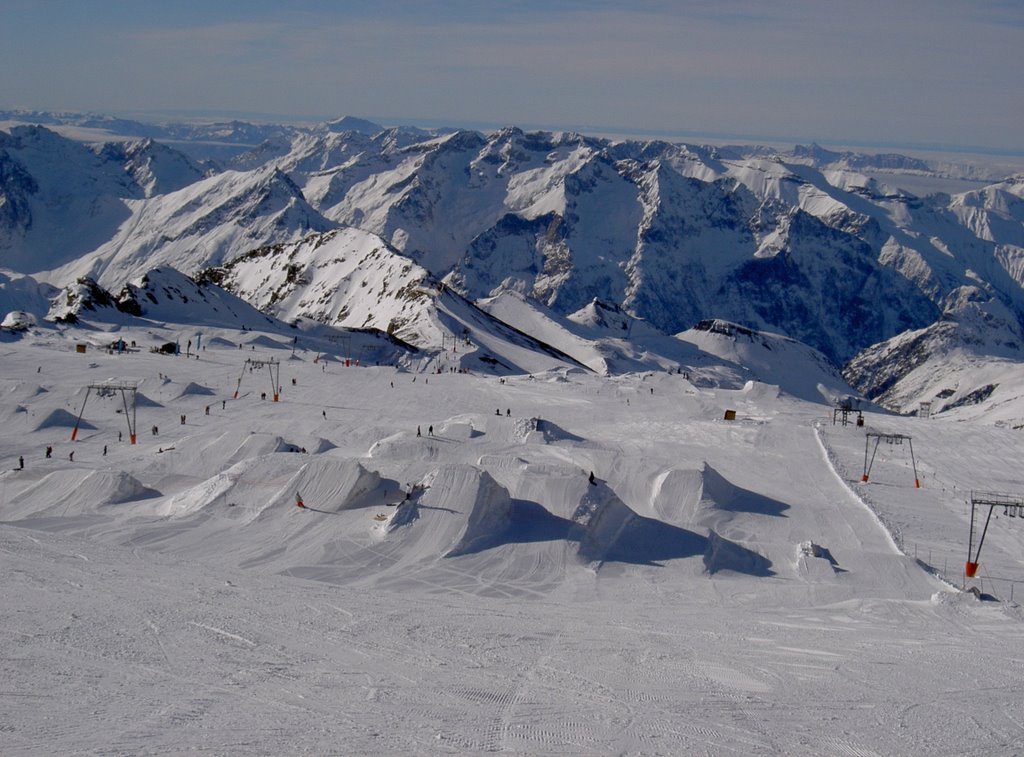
{"points": [[352, 123]]}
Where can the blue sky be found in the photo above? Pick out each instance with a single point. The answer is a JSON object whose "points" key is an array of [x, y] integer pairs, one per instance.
{"points": [[905, 73]]}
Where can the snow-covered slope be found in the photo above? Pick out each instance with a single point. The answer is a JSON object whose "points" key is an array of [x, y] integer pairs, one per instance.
{"points": [[771, 359], [204, 224], [555, 563]]}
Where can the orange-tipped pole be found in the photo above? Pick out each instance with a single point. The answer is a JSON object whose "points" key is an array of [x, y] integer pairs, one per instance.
{"points": [[971, 569]]}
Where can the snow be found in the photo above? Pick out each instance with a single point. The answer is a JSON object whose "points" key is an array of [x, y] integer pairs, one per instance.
{"points": [[722, 586]]}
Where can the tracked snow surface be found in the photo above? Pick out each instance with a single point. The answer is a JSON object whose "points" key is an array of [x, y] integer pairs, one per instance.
{"points": [[455, 582]]}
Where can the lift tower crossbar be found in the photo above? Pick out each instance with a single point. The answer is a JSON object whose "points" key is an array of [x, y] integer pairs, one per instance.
{"points": [[889, 439], [109, 387], [1013, 507]]}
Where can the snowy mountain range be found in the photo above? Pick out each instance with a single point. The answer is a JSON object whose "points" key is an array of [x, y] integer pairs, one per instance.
{"points": [[351, 224]]}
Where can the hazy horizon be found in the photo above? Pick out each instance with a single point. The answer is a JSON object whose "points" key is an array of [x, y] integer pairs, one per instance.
{"points": [[931, 75]]}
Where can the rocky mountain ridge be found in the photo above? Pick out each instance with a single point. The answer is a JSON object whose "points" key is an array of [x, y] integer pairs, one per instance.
{"points": [[804, 243]]}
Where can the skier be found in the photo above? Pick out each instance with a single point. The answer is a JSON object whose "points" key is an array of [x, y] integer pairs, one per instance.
{"points": [[593, 480], [104, 450], [49, 452], [71, 456], [298, 501], [508, 412], [207, 409], [118, 438], [324, 412], [430, 431], [223, 404], [21, 463], [418, 431]]}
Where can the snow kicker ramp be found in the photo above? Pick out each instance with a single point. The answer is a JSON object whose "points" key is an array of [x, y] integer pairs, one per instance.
{"points": [[73, 492]]}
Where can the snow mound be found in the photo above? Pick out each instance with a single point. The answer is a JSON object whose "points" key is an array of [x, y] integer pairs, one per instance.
{"points": [[141, 400], [192, 389], [219, 341], [489, 518], [75, 492], [266, 488], [61, 418], [266, 341], [706, 497], [405, 445], [333, 485], [547, 432], [608, 530], [815, 561], [319, 445], [724, 555]]}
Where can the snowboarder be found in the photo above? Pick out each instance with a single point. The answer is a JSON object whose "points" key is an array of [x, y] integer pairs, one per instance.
{"points": [[593, 480]]}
